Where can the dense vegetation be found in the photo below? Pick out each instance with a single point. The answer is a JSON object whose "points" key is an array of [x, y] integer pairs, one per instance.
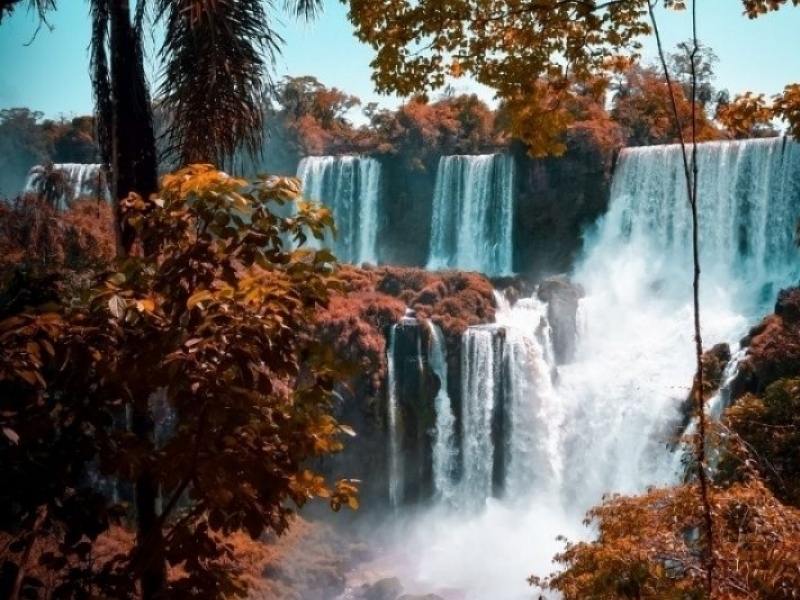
{"points": [[186, 371]]}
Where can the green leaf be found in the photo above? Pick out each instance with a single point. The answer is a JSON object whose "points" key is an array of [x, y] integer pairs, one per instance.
{"points": [[12, 435], [117, 306]]}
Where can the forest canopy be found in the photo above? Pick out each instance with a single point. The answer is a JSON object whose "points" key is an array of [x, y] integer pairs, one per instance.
{"points": [[537, 56]]}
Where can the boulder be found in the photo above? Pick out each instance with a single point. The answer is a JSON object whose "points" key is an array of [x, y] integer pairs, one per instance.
{"points": [[383, 589], [714, 362], [562, 298]]}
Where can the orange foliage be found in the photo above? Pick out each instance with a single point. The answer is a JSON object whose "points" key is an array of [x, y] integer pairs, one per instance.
{"points": [[773, 346], [374, 299], [647, 547], [746, 116], [453, 300], [34, 233], [643, 108]]}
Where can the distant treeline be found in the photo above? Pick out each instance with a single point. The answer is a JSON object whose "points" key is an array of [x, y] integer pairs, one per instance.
{"points": [[308, 118]]}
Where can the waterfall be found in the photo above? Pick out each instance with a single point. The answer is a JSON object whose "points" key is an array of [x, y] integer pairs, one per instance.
{"points": [[82, 181], [533, 408], [510, 414], [394, 430], [444, 452], [480, 348], [606, 423], [350, 187], [748, 201], [473, 214]]}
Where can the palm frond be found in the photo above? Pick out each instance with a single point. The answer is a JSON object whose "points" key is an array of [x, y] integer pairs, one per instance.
{"points": [[303, 9], [41, 7], [217, 56]]}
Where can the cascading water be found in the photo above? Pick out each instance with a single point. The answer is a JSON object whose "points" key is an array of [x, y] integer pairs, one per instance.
{"points": [[392, 414], [82, 181], [444, 454], [473, 214], [350, 187], [748, 200], [480, 352], [606, 424]]}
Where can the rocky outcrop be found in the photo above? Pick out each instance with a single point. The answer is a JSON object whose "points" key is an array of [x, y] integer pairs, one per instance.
{"points": [[357, 324], [773, 347], [562, 297], [390, 589], [557, 199], [714, 362], [383, 589]]}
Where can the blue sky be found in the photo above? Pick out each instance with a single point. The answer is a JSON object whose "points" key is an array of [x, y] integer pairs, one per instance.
{"points": [[51, 74]]}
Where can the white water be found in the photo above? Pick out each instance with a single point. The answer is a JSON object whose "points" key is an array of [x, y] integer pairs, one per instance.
{"points": [[392, 411], [444, 443], [604, 426], [350, 187], [83, 181], [480, 354], [471, 227]]}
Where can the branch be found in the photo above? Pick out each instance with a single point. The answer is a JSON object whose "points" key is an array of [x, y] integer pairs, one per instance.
{"points": [[691, 190]]}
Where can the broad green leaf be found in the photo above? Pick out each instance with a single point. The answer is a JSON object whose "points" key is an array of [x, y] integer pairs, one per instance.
{"points": [[117, 306]]}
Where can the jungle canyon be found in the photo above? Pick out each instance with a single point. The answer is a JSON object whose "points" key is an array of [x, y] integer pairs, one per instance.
{"points": [[493, 398], [478, 410]]}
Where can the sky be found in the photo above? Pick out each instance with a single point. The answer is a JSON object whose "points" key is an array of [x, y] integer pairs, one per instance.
{"points": [[51, 73]]}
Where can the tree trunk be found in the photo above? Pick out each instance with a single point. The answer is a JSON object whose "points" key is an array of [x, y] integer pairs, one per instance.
{"points": [[149, 556], [134, 168], [133, 160]]}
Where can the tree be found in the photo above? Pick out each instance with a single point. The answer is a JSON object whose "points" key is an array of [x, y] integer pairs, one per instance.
{"points": [[315, 115], [745, 116], [768, 427], [694, 71], [217, 50], [73, 140], [21, 145], [211, 329], [420, 131], [643, 107], [648, 546], [533, 54]]}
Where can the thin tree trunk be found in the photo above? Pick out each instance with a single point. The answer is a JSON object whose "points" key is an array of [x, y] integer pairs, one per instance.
{"points": [[698, 392], [41, 513]]}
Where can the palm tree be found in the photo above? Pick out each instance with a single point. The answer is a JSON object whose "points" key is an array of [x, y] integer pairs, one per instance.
{"points": [[215, 61], [215, 58]]}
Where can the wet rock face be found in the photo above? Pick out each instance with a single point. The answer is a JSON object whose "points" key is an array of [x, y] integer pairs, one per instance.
{"points": [[384, 589], [773, 347], [562, 298], [714, 362], [787, 306], [558, 197]]}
